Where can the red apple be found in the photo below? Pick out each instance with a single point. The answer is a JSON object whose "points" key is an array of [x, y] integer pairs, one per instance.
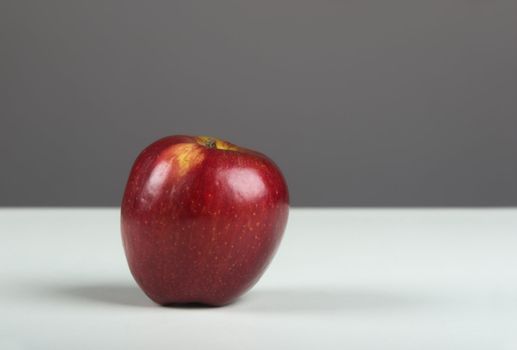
{"points": [[201, 219]]}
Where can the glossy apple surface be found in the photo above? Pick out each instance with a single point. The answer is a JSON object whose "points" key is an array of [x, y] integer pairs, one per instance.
{"points": [[201, 219]]}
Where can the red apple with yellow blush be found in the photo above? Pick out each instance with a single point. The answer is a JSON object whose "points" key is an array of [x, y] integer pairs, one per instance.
{"points": [[201, 219]]}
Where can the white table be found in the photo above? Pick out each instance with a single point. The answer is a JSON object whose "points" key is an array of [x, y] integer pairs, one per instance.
{"points": [[342, 279]]}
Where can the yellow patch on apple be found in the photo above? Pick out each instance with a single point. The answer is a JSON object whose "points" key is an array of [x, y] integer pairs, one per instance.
{"points": [[184, 156]]}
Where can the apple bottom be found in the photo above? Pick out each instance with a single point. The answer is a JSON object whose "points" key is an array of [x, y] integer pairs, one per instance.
{"points": [[197, 290], [177, 300], [184, 272]]}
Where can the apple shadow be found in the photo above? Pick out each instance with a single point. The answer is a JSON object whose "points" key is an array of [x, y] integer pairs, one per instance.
{"points": [[274, 300], [115, 294]]}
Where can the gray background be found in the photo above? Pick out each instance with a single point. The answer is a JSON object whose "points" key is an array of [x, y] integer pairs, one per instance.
{"points": [[361, 102]]}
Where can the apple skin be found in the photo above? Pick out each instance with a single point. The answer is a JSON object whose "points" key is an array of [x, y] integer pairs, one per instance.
{"points": [[201, 219]]}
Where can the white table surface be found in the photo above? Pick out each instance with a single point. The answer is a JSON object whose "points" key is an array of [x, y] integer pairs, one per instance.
{"points": [[342, 279]]}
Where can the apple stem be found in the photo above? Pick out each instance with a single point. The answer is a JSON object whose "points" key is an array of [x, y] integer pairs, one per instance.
{"points": [[210, 143]]}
